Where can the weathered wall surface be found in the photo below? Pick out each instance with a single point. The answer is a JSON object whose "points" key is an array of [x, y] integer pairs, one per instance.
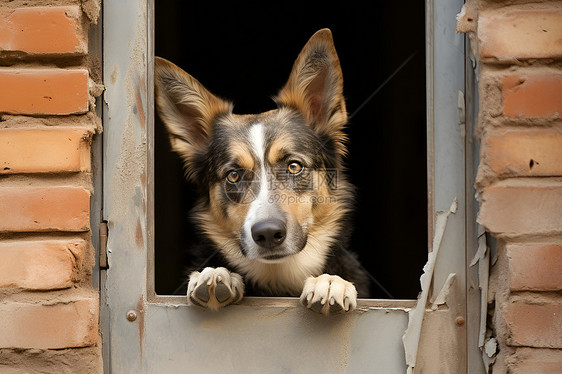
{"points": [[518, 45], [49, 79]]}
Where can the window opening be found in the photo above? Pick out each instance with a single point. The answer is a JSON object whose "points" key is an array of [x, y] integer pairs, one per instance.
{"points": [[245, 55]]}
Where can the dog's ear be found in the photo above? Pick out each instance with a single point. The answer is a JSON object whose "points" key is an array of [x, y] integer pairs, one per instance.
{"points": [[186, 107], [315, 87]]}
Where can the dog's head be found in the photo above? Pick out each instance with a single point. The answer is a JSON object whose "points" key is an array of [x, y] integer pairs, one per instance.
{"points": [[271, 180]]}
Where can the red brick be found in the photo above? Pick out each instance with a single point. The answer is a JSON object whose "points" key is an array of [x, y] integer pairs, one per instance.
{"points": [[524, 152], [43, 30], [536, 367], [44, 150], [515, 209], [535, 267], [542, 362], [55, 326], [40, 265], [532, 95], [29, 209], [534, 325], [520, 34], [43, 91]]}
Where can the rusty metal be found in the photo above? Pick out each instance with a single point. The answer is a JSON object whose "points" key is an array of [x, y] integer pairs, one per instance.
{"points": [[103, 232], [132, 315]]}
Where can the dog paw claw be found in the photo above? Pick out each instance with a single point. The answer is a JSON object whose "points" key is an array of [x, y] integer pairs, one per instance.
{"points": [[329, 294], [214, 288]]}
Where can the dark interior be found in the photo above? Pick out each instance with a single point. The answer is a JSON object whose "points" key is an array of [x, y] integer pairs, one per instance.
{"points": [[244, 53]]}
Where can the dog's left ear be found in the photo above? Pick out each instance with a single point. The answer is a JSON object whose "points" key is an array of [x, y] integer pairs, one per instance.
{"points": [[315, 87]]}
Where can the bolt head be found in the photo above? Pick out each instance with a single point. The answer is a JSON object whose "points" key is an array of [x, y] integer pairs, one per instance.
{"points": [[132, 315]]}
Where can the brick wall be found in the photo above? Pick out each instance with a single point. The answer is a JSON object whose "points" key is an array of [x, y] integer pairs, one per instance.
{"points": [[49, 311], [518, 45]]}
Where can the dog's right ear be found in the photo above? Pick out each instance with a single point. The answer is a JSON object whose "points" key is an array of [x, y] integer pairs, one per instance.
{"points": [[186, 107]]}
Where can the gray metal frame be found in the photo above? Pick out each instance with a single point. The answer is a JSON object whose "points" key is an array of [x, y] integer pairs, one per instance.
{"points": [[452, 109], [146, 332]]}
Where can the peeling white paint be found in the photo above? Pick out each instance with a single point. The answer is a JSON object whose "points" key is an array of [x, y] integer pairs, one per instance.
{"points": [[491, 347], [482, 258], [461, 14], [441, 298], [462, 113], [489, 353], [411, 337]]}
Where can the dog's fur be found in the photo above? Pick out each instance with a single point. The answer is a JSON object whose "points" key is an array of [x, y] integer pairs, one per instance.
{"points": [[278, 173]]}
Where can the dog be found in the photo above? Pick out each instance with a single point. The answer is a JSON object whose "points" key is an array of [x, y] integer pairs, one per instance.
{"points": [[274, 209]]}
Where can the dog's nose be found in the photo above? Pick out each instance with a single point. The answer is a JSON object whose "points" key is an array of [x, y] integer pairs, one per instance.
{"points": [[269, 233]]}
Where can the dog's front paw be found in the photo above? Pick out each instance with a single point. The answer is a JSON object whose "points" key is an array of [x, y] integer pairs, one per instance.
{"points": [[214, 288], [329, 294]]}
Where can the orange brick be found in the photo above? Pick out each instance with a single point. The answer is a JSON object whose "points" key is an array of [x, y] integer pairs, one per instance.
{"points": [[513, 209], [532, 95], [520, 34], [56, 326], [535, 267], [540, 362], [40, 265], [43, 30], [45, 150], [43, 91], [534, 325], [28, 209], [524, 152]]}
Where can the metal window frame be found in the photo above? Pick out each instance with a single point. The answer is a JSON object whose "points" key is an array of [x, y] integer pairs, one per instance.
{"points": [[128, 67]]}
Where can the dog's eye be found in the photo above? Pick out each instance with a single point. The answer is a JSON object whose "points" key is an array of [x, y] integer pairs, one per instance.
{"points": [[295, 168], [233, 176]]}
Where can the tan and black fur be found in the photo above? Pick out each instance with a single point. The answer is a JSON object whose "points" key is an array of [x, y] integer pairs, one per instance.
{"points": [[274, 202]]}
